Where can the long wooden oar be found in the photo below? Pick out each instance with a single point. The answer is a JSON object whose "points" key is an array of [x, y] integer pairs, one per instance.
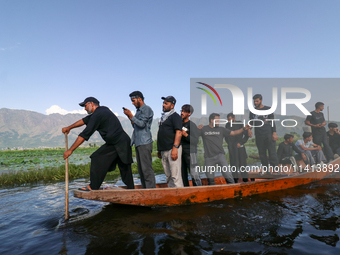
{"points": [[67, 215]]}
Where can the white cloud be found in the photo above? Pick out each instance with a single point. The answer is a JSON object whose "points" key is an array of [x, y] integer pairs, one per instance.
{"points": [[58, 109], [10, 47]]}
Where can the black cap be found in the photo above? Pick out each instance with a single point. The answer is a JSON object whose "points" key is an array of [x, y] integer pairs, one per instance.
{"points": [[137, 94], [170, 99], [89, 99], [332, 125]]}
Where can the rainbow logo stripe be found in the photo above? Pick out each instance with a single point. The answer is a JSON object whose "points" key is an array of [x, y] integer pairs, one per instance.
{"points": [[209, 93]]}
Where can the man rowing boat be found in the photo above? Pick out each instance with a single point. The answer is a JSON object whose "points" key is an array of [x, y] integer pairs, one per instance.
{"points": [[115, 151]]}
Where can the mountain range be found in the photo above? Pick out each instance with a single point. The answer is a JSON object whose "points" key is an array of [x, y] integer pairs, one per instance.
{"points": [[28, 129]]}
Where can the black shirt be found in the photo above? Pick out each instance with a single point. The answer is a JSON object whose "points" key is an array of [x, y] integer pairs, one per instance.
{"points": [[105, 122], [213, 140], [241, 138], [316, 118], [167, 132], [190, 142], [268, 127], [286, 150], [334, 141]]}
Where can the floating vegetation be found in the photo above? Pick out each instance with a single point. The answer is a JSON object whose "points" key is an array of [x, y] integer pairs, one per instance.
{"points": [[19, 167]]}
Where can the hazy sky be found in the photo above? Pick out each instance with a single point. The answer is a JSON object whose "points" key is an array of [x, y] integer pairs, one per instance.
{"points": [[59, 52]]}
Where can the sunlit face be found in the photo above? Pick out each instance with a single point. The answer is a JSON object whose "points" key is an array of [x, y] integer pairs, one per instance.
{"points": [[310, 138], [185, 115], [136, 102], [89, 107], [257, 102], [167, 106]]}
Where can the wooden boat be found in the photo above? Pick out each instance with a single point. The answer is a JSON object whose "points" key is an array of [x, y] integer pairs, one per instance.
{"points": [[164, 196]]}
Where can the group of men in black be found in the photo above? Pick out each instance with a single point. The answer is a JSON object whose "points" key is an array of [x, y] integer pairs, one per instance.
{"points": [[309, 147], [178, 137]]}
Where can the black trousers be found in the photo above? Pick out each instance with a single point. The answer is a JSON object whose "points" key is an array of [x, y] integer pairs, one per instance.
{"points": [[185, 167], [287, 160], [238, 158], [105, 160], [265, 143], [322, 139]]}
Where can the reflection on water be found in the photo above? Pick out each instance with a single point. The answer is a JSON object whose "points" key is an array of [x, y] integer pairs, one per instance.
{"points": [[303, 220]]}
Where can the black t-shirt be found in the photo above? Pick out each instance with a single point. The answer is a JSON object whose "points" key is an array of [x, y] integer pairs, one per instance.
{"points": [[268, 127], [286, 150], [167, 132], [213, 140], [106, 123], [316, 118], [334, 141], [190, 142]]}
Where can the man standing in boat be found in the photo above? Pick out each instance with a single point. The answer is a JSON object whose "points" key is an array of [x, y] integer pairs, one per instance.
{"points": [[189, 147], [142, 138], [265, 134], [115, 151], [237, 151], [169, 142], [317, 121], [214, 153]]}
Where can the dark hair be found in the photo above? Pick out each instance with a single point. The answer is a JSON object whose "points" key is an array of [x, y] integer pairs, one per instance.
{"points": [[188, 108], [288, 136], [306, 135], [318, 104], [257, 96], [230, 115], [332, 125], [137, 94], [212, 116]]}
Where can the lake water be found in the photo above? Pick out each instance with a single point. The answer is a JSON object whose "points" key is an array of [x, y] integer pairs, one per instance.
{"points": [[303, 220]]}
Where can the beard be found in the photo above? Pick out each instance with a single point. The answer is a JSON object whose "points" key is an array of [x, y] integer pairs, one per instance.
{"points": [[90, 110], [166, 109]]}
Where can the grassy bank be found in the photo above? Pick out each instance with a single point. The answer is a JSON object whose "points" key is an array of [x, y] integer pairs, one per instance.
{"points": [[19, 167], [14, 178]]}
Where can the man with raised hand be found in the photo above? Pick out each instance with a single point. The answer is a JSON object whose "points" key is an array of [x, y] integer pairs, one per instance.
{"points": [[142, 138], [115, 151], [169, 142], [214, 154]]}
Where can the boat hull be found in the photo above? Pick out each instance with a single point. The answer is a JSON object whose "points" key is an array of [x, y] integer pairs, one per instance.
{"points": [[164, 196]]}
